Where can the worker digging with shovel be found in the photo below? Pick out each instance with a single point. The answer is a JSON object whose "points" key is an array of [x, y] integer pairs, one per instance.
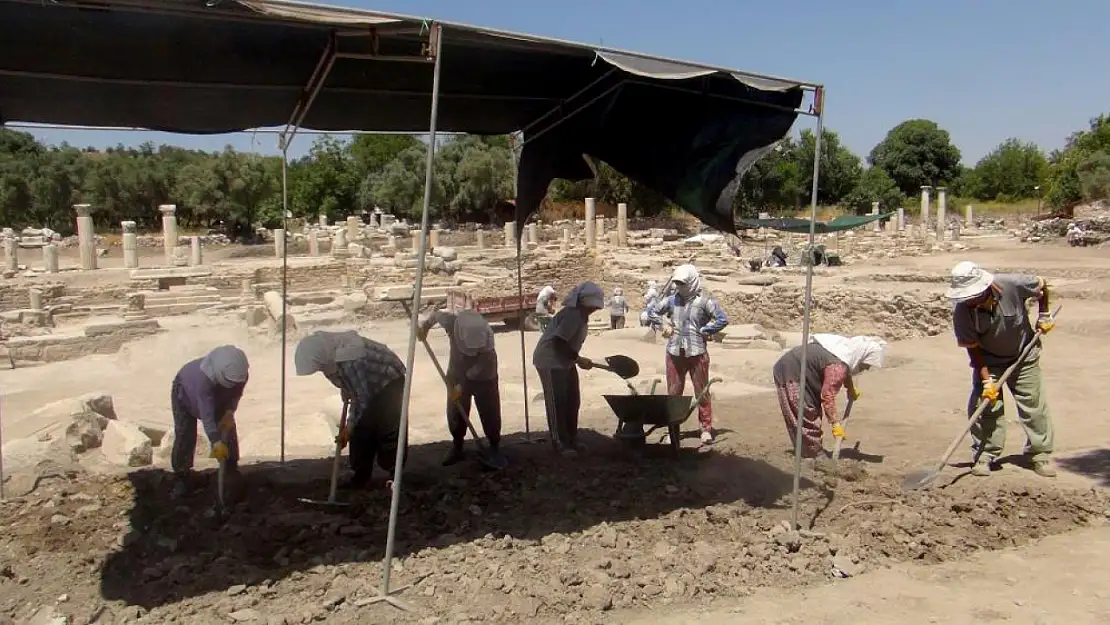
{"points": [[471, 374], [207, 390], [371, 379], [991, 322]]}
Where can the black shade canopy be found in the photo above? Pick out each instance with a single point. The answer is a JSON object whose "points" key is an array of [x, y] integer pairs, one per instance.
{"points": [[183, 66]]}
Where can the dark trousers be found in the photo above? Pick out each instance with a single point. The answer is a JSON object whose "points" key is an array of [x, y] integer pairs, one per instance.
{"points": [[562, 398], [487, 398], [185, 435], [377, 431], [616, 322]]}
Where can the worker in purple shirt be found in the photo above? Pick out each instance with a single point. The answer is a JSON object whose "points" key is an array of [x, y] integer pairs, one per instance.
{"points": [[207, 390]]}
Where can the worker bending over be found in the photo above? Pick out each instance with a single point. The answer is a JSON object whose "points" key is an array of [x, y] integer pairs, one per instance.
{"points": [[371, 379], [471, 373], [990, 320], [208, 390]]}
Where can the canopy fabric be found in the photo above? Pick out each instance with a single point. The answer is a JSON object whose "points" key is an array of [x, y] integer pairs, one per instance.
{"points": [[181, 66], [846, 222]]}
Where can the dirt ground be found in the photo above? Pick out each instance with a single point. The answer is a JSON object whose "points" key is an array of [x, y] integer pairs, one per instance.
{"points": [[615, 536]]}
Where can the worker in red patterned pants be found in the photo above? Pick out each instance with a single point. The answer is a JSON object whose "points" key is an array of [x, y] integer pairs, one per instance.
{"points": [[688, 318]]}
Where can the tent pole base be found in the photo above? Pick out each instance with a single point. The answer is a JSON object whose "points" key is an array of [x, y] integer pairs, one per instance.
{"points": [[391, 600]]}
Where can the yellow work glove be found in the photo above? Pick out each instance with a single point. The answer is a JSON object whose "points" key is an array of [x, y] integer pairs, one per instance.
{"points": [[990, 390], [668, 332], [220, 451], [421, 333], [838, 430], [343, 437], [455, 393], [855, 394], [1045, 323]]}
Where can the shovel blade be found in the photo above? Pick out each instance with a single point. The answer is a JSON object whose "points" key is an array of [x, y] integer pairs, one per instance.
{"points": [[323, 502], [919, 479], [493, 461]]}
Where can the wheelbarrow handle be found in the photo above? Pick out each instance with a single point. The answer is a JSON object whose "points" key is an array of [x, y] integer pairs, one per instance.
{"points": [[700, 396]]}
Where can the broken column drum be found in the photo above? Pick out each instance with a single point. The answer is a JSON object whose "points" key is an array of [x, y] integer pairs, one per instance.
{"points": [[323, 220], [354, 232], [11, 254], [130, 245], [135, 309], [599, 235], [481, 239], [196, 257], [35, 299], [942, 211], [86, 240], [169, 230], [566, 238], [339, 243], [591, 222], [622, 224], [433, 239], [510, 233], [875, 211], [50, 258], [901, 219], [279, 242], [313, 244]]}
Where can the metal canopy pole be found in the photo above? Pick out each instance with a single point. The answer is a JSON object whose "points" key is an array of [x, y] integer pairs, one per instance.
{"points": [[818, 106], [520, 296], [435, 49], [308, 96]]}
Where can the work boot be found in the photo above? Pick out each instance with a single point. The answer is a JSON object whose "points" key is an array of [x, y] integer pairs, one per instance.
{"points": [[454, 455], [182, 485], [1044, 468], [982, 467], [357, 481]]}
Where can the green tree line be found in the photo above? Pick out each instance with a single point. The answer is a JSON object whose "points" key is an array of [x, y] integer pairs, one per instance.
{"points": [[473, 175]]}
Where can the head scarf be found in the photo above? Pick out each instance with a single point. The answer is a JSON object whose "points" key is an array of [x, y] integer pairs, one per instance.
{"points": [[585, 295], [686, 280], [320, 351], [855, 351], [226, 365], [546, 293], [472, 333], [618, 291]]}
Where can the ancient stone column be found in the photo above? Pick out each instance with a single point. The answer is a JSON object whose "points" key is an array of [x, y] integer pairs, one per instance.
{"points": [[169, 230], [901, 219], [130, 245], [942, 211], [339, 243], [599, 233], [35, 297], [622, 224], [196, 256], [86, 236], [135, 310], [591, 222], [279, 242], [433, 239], [925, 207], [969, 216], [50, 258], [11, 254], [354, 228], [878, 227], [322, 220], [246, 292], [510, 233], [373, 220], [313, 244], [566, 239], [481, 239], [533, 234]]}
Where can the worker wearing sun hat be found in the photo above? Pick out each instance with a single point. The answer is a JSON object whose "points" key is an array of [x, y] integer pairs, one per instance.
{"points": [[990, 320]]}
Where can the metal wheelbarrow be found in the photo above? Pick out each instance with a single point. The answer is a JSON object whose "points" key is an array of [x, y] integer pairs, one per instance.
{"points": [[634, 412]]}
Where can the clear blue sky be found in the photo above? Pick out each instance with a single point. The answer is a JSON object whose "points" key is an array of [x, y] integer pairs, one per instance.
{"points": [[985, 70]]}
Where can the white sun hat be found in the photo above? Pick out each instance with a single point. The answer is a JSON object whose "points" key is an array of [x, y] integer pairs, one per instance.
{"points": [[968, 281]]}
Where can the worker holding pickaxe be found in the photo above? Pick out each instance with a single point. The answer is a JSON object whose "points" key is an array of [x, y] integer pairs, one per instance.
{"points": [[990, 321]]}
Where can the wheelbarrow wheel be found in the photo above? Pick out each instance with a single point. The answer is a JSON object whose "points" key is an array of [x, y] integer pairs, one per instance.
{"points": [[674, 432]]}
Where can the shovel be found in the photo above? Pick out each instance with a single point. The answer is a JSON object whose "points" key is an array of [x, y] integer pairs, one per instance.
{"points": [[621, 365], [333, 489], [925, 477]]}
